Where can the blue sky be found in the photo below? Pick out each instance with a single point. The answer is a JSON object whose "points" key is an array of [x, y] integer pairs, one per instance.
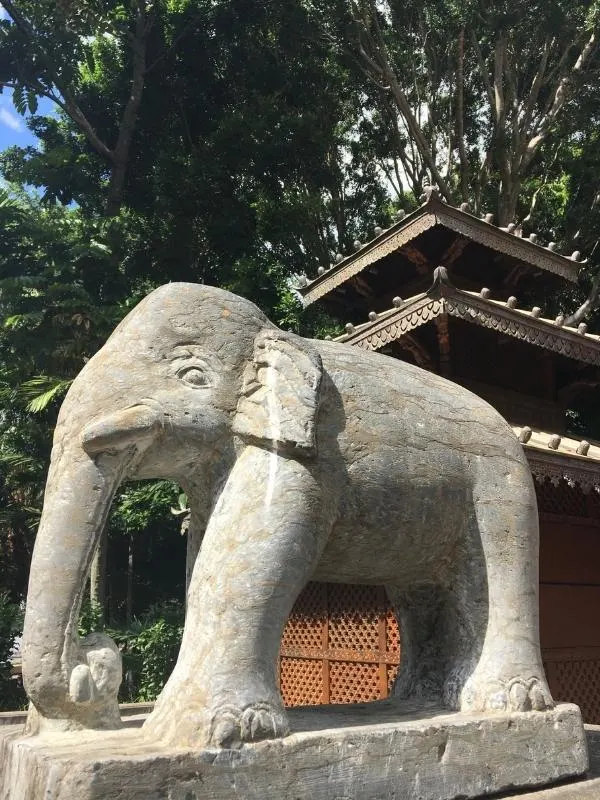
{"points": [[13, 127]]}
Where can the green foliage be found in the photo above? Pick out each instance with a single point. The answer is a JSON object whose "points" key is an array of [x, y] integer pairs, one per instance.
{"points": [[12, 696], [262, 146], [149, 647]]}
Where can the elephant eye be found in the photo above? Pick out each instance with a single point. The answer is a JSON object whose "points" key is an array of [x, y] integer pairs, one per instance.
{"points": [[193, 376]]}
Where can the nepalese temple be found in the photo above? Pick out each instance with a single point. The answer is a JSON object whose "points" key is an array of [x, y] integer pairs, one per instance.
{"points": [[439, 289]]}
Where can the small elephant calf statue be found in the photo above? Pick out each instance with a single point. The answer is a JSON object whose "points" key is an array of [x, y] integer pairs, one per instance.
{"points": [[302, 460]]}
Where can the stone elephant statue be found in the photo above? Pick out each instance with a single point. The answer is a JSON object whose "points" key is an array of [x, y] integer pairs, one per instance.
{"points": [[304, 460]]}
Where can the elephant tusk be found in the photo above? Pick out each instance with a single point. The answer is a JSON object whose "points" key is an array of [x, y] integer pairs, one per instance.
{"points": [[121, 429]]}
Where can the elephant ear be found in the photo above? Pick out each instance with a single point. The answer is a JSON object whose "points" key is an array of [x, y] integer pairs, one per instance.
{"points": [[280, 393]]}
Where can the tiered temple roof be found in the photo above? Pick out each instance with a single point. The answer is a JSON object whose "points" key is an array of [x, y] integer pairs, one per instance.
{"points": [[475, 251], [417, 289]]}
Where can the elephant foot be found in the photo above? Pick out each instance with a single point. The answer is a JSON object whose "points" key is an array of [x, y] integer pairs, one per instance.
{"points": [[518, 693], [231, 726], [190, 715]]}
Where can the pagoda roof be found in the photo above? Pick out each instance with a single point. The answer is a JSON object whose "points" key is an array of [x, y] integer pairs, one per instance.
{"points": [[478, 308], [558, 457], [435, 212]]}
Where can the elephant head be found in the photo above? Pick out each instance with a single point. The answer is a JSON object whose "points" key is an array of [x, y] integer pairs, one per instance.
{"points": [[189, 377]]}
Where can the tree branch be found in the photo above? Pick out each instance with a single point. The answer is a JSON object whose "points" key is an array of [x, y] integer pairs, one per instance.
{"points": [[587, 306], [69, 105], [559, 99], [406, 111], [130, 112], [460, 116]]}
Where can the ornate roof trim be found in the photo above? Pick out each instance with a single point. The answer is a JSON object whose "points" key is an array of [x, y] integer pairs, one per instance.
{"points": [[444, 298], [558, 458], [435, 212]]}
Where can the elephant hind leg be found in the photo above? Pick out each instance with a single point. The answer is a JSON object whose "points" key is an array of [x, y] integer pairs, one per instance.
{"points": [[419, 611], [442, 629], [509, 674]]}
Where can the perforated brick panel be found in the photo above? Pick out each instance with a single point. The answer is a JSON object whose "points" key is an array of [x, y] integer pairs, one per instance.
{"points": [[392, 671], [577, 681], [353, 682], [341, 645], [308, 618], [301, 681], [354, 613], [563, 500]]}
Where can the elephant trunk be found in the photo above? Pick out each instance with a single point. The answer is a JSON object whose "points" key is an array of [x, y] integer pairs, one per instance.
{"points": [[65, 678]]}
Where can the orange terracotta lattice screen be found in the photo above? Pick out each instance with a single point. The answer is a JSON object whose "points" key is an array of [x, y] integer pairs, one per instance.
{"points": [[576, 680], [341, 645]]}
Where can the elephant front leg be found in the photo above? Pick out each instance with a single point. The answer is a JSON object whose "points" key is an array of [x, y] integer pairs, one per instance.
{"points": [[261, 546]]}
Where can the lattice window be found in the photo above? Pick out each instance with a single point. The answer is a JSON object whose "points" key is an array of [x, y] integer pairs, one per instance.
{"points": [[392, 633], [306, 622], [392, 672], [577, 681], [341, 645], [301, 681], [563, 500], [354, 613], [353, 682]]}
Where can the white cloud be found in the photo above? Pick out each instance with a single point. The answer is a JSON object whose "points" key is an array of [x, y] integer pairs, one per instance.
{"points": [[10, 120], [3, 13]]}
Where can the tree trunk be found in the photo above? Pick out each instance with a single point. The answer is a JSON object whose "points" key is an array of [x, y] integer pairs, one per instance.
{"points": [[509, 197], [129, 600]]}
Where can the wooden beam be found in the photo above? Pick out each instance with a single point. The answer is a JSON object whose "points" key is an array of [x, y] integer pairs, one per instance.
{"points": [[454, 251], [421, 262]]}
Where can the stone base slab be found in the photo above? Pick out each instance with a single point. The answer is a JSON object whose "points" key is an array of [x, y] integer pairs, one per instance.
{"points": [[374, 751]]}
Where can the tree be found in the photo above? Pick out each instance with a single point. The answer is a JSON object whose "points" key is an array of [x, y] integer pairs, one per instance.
{"points": [[44, 46], [466, 94]]}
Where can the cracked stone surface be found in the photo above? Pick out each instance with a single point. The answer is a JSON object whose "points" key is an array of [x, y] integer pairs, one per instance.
{"points": [[365, 752]]}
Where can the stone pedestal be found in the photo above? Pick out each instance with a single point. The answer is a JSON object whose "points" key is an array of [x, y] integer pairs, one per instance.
{"points": [[375, 751]]}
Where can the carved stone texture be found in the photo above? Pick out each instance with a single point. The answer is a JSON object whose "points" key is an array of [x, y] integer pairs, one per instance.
{"points": [[309, 460], [361, 752]]}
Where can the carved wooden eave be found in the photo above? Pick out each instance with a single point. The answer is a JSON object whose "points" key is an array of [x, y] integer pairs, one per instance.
{"points": [[445, 299], [435, 212], [561, 458]]}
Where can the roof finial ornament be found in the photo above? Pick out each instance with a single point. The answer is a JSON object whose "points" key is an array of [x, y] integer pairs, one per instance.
{"points": [[512, 301], [349, 328], [321, 271], [489, 218], [429, 193], [338, 258], [536, 311], [399, 215], [397, 302], [485, 293], [372, 316], [583, 448], [378, 230], [357, 244], [465, 207], [440, 276], [525, 434], [533, 238]]}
